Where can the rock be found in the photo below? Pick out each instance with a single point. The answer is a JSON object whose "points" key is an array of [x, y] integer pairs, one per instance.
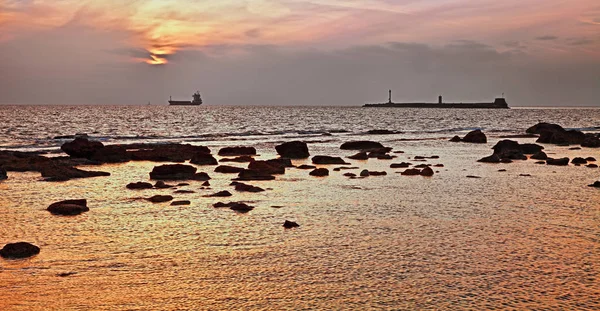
{"points": [[293, 150], [561, 161], [173, 172], [361, 145], [226, 169], [203, 159], [68, 207], [439, 165], [267, 167], [241, 207], [380, 132], [179, 203], [596, 184], [223, 193], [422, 165], [206, 184], [221, 204], [400, 165], [337, 169], [540, 162], [19, 250], [254, 175], [590, 159], [239, 159], [530, 148], [182, 184], [502, 170], [201, 177], [349, 174], [164, 152], [524, 175], [364, 173], [411, 172], [359, 156], [3, 174], [327, 160], [575, 148], [544, 127], [184, 191], [162, 185], [160, 198], [490, 159], [237, 151], [476, 136], [139, 185], [509, 149], [506, 160], [377, 173], [592, 165], [579, 160], [306, 167], [319, 172], [81, 148], [285, 162], [473, 176], [591, 141], [383, 156], [247, 188], [427, 171], [539, 156], [290, 224], [55, 172], [561, 137], [111, 154], [455, 139]]}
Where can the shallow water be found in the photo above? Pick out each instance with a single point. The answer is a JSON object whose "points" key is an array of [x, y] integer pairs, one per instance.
{"points": [[502, 241]]}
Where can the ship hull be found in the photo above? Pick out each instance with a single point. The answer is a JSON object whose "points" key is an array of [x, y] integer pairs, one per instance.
{"points": [[183, 103], [442, 106]]}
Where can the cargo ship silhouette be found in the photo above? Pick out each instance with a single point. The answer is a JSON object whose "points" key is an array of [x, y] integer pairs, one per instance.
{"points": [[196, 101]]}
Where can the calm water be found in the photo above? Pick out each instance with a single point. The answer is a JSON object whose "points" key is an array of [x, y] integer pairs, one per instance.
{"points": [[449, 242]]}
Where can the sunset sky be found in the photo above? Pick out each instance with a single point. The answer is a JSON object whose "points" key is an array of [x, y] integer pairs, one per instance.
{"points": [[320, 52]]}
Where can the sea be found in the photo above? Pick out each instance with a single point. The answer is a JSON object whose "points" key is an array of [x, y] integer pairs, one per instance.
{"points": [[475, 236]]}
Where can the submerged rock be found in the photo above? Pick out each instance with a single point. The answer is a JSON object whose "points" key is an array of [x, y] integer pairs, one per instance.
{"points": [[160, 198], [164, 152], [476, 136], [455, 139], [68, 207], [162, 185], [320, 172], [139, 185], [290, 224], [246, 188], [328, 160], [226, 169], [306, 167], [361, 145], [411, 172], [81, 147], [539, 156], [579, 160], [591, 165], [560, 162], [201, 176], [596, 184], [267, 167], [19, 250], [111, 154], [377, 173], [254, 175], [237, 151], [380, 132], [179, 203], [223, 193], [349, 174], [293, 150], [240, 159], [359, 156], [400, 165], [494, 158], [203, 159], [63, 173], [427, 171], [173, 172], [241, 207]]}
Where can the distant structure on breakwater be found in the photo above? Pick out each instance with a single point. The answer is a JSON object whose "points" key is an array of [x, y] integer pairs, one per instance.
{"points": [[197, 101], [499, 103]]}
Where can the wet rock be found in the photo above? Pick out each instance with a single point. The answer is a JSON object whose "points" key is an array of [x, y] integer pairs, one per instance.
{"points": [[579, 160], [182, 184], [494, 158], [139, 185], [398, 152], [400, 165], [473, 176], [506, 160], [590, 159], [63, 173], [596, 184], [81, 147], [290, 224], [383, 156], [563, 137], [306, 167], [502, 170], [575, 148], [221, 204], [544, 127], [509, 149], [203, 159], [68, 207], [111, 154], [359, 156], [284, 162], [237, 151], [201, 177], [179, 203], [476, 136], [349, 174], [160, 198], [427, 171], [539, 156], [240, 159], [241, 207], [226, 169], [560, 162], [206, 184], [530, 148], [592, 165], [19, 250], [377, 173], [3, 174], [162, 185], [591, 141], [411, 172], [361, 145], [173, 172], [319, 172], [364, 173], [223, 193], [184, 191], [540, 162], [254, 175], [455, 139], [337, 169], [246, 188], [422, 165], [293, 150], [267, 167], [380, 132], [524, 175], [439, 165], [164, 152], [328, 160]]}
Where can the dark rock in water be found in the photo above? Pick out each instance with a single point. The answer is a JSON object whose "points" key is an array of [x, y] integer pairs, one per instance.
{"points": [[284, 162], [162, 185], [160, 198], [502, 170], [254, 175], [182, 184], [267, 167], [19, 250], [419, 158], [361, 145], [439, 165], [68, 207], [290, 224], [476, 136], [241, 207], [473, 176], [544, 127], [81, 148], [359, 156], [380, 132], [455, 139], [179, 203], [400, 165], [226, 169], [184, 191], [247, 188], [239, 159], [579, 160], [66, 274], [427, 171], [202, 176], [596, 184], [223, 193], [3, 174], [164, 152], [506, 160], [411, 172], [337, 169], [306, 167], [328, 160], [561, 137], [383, 156], [422, 165], [539, 156], [494, 158], [206, 184], [377, 173], [320, 172], [590, 159], [591, 141], [525, 175], [349, 174], [364, 173], [540, 162], [560, 162], [293, 150], [531, 148], [63, 173], [139, 185], [111, 154], [575, 148], [434, 157], [509, 149], [173, 172], [221, 204], [203, 159], [399, 151], [237, 151], [592, 165]]}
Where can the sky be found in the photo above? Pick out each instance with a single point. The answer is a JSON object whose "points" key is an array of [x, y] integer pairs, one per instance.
{"points": [[292, 52]]}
